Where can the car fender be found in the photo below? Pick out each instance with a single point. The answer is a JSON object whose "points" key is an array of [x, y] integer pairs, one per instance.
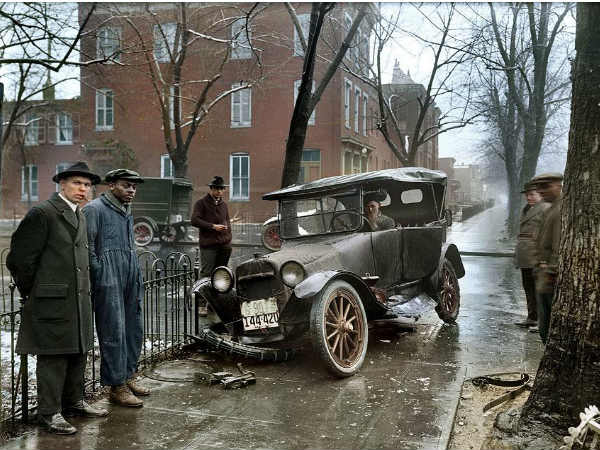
{"points": [[450, 252], [315, 284], [225, 305]]}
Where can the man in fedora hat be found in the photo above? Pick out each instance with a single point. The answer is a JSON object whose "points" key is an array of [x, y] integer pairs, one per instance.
{"points": [[211, 217], [49, 262], [529, 225], [549, 185], [377, 220], [117, 286]]}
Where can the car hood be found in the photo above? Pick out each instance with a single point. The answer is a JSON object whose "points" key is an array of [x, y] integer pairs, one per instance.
{"points": [[351, 252]]}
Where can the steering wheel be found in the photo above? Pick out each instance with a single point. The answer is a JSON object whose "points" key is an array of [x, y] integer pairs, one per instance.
{"points": [[339, 225]]}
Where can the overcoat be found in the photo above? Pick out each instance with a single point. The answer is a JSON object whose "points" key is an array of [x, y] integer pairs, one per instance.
{"points": [[529, 227], [547, 246], [49, 262]]}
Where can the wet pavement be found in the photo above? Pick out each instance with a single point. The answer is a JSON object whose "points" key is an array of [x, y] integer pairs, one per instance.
{"points": [[405, 396]]}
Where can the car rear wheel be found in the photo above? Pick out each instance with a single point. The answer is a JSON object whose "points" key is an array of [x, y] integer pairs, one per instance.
{"points": [[338, 328], [143, 233], [449, 293]]}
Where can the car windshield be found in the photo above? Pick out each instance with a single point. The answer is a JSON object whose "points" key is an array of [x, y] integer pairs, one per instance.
{"points": [[326, 213]]}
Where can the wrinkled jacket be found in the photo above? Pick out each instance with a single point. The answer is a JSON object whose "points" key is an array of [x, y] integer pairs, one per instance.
{"points": [[50, 264], [547, 247], [529, 227], [205, 214], [113, 261]]}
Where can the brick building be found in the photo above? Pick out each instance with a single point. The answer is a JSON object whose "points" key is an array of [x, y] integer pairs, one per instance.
{"points": [[243, 137]]}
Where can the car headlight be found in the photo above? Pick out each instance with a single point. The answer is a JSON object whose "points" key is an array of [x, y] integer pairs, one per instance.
{"points": [[222, 279], [292, 273]]}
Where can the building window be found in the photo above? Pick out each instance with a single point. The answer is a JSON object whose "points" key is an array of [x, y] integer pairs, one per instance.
{"points": [[60, 167], [104, 109], [64, 128], [29, 183], [240, 40], [166, 167], [164, 41], [364, 114], [356, 109], [108, 43], [239, 169], [311, 120], [304, 20], [355, 162], [347, 93], [32, 129], [241, 108], [310, 166]]}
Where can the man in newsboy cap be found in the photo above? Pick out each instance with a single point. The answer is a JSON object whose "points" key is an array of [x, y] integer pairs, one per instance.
{"points": [[49, 261], [117, 286], [549, 185]]}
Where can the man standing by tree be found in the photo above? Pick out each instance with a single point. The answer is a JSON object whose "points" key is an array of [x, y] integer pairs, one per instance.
{"points": [[529, 226], [549, 185], [117, 286], [49, 262]]}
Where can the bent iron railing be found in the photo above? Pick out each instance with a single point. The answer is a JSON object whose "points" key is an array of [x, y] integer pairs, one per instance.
{"points": [[167, 313]]}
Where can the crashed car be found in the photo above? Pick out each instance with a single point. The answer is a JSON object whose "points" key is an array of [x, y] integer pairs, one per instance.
{"points": [[334, 273]]}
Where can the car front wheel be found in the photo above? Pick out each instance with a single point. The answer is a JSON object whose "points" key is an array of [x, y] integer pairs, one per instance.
{"points": [[449, 293], [338, 327]]}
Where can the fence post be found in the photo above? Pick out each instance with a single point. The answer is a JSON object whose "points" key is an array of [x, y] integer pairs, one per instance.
{"points": [[196, 305], [24, 389], [186, 295]]}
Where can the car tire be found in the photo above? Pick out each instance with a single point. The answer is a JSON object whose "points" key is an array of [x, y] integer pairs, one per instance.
{"points": [[143, 233], [341, 342], [448, 293], [270, 236], [216, 341]]}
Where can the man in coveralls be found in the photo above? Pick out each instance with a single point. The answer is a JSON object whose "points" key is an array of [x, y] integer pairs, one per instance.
{"points": [[117, 286]]}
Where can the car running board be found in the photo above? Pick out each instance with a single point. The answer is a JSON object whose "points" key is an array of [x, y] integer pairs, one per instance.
{"points": [[411, 308]]}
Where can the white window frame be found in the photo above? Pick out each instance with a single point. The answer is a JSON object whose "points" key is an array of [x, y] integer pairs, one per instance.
{"points": [[102, 110], [304, 20], [240, 42], [165, 162], [60, 167], [364, 113], [32, 129], [104, 42], [347, 95], [31, 181], [357, 94], [60, 141], [311, 120], [233, 179], [163, 45], [238, 99]]}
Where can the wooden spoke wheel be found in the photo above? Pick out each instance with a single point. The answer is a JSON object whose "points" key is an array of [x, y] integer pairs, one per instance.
{"points": [[449, 293], [143, 233], [270, 236], [339, 328]]}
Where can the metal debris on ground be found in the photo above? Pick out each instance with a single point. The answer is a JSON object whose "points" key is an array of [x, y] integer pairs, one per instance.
{"points": [[483, 381], [579, 434], [227, 379]]}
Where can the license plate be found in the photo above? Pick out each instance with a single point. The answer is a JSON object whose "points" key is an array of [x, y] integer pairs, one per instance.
{"points": [[259, 314]]}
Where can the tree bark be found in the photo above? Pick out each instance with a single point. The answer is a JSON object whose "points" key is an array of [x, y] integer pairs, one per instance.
{"points": [[568, 378]]}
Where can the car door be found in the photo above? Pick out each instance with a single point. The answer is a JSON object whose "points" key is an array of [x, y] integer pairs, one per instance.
{"points": [[387, 256], [421, 250]]}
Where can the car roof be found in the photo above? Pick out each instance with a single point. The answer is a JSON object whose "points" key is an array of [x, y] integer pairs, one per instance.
{"points": [[403, 174]]}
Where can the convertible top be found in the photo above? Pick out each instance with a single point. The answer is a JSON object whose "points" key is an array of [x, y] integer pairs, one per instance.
{"points": [[403, 174]]}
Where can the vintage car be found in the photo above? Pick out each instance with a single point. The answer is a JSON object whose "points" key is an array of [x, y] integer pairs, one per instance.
{"points": [[334, 273]]}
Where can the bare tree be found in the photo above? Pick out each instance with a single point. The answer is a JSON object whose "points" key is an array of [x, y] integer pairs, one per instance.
{"points": [[307, 100]]}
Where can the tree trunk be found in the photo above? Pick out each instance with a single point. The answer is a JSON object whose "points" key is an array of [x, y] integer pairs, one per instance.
{"points": [[568, 378]]}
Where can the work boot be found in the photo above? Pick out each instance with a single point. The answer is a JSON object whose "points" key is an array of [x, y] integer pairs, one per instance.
{"points": [[83, 409], [56, 424], [121, 395], [526, 324], [137, 389]]}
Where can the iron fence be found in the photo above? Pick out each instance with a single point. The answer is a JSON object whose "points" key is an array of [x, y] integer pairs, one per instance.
{"points": [[167, 311]]}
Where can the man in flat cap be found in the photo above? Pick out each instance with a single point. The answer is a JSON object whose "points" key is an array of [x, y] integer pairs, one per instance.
{"points": [[117, 286], [211, 217], [529, 225], [49, 262], [376, 219], [549, 185]]}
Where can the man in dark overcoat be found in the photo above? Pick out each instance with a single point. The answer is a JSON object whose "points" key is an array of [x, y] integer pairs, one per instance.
{"points": [[117, 286], [49, 262], [529, 225]]}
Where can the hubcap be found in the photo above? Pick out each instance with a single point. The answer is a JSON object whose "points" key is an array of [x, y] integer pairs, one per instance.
{"points": [[344, 328]]}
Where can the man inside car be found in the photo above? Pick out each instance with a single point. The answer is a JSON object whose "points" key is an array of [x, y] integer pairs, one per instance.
{"points": [[376, 219]]}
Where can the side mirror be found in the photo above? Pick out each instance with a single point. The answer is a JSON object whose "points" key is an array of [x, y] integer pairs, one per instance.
{"points": [[448, 217]]}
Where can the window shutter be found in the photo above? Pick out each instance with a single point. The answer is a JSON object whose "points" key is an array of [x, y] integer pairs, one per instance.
{"points": [[42, 129], [245, 104], [75, 123], [235, 107], [51, 137]]}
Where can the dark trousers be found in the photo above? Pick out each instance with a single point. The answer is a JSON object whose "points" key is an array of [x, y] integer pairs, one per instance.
{"points": [[213, 257], [529, 288], [59, 381], [544, 304]]}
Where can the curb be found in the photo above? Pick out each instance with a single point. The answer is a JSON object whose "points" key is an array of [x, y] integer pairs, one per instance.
{"points": [[495, 254]]}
